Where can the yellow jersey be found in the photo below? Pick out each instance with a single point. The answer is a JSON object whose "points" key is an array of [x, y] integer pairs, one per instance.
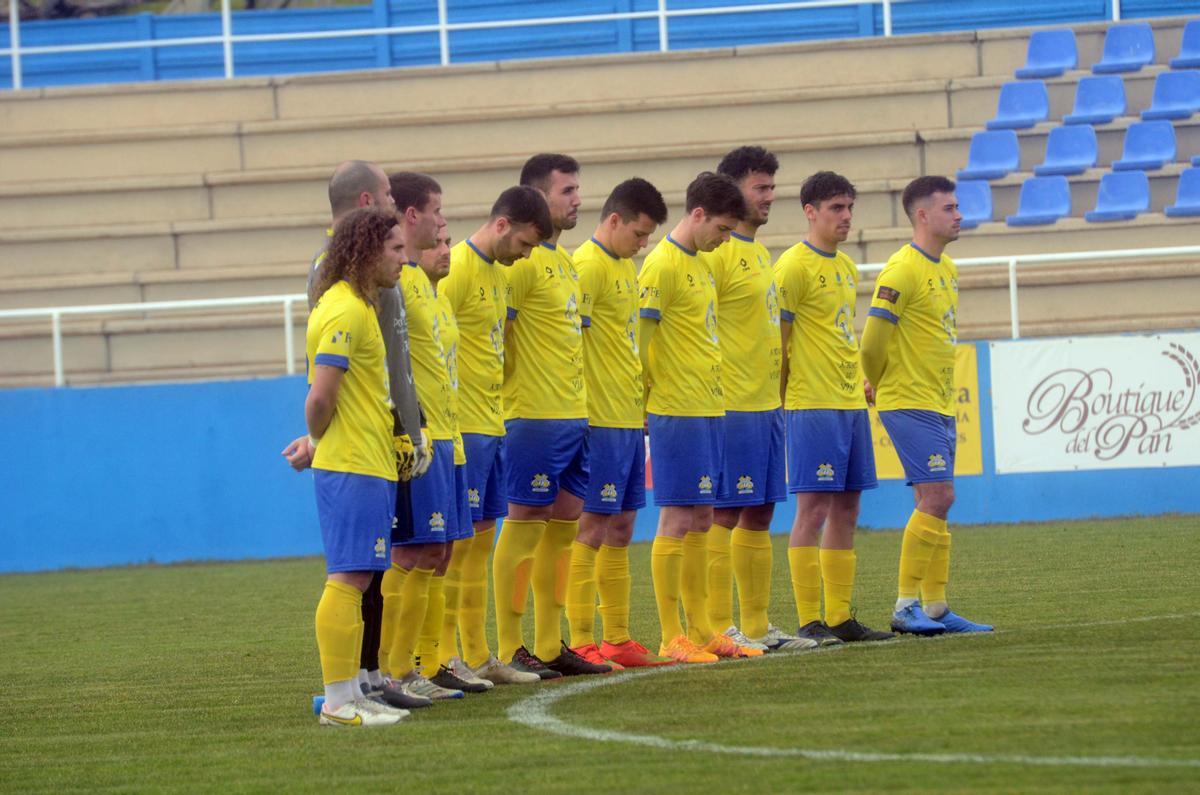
{"points": [[545, 380], [475, 290], [343, 332], [747, 323], [677, 289], [817, 296], [608, 308], [448, 331], [920, 295], [425, 345]]}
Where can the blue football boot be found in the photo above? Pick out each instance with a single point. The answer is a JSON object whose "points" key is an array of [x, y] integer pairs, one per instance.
{"points": [[913, 621], [956, 623]]}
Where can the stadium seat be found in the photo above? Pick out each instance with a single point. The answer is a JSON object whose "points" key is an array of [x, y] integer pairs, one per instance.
{"points": [[1176, 95], [1196, 160], [1051, 52], [1069, 150], [975, 202], [1022, 104], [1127, 48], [1189, 50], [1122, 195], [1187, 195], [1148, 145], [993, 154], [1043, 201], [1098, 100]]}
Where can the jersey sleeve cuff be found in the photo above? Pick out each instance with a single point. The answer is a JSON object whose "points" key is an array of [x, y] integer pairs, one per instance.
{"points": [[786, 315], [333, 360], [512, 313], [878, 311], [585, 321], [649, 312]]}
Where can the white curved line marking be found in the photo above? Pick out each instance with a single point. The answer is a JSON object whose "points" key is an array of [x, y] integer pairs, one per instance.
{"points": [[534, 712]]}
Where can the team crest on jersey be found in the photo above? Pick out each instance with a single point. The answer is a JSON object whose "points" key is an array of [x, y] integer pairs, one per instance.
{"points": [[825, 473], [950, 325], [380, 547], [540, 484], [937, 463], [845, 323], [745, 485], [473, 497], [705, 484], [710, 322], [437, 522], [608, 492]]}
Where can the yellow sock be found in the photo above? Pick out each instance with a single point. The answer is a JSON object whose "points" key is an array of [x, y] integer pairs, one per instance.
{"points": [[414, 599], [451, 590], [430, 635], [390, 588], [472, 598], [613, 584], [720, 578], [752, 556], [339, 631], [581, 595], [512, 567], [837, 571], [805, 566], [551, 560], [916, 551], [933, 587], [693, 582], [666, 566]]}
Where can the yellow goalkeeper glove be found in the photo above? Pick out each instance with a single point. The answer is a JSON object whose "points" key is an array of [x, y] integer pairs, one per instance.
{"points": [[406, 456]]}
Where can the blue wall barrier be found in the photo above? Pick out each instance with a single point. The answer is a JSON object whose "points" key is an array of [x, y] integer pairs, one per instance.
{"points": [[134, 474], [368, 52]]}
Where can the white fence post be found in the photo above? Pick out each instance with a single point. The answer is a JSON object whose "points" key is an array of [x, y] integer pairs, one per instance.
{"points": [[14, 41], [289, 337], [1012, 299], [56, 331], [1116, 10], [227, 37], [663, 44], [887, 17], [443, 33]]}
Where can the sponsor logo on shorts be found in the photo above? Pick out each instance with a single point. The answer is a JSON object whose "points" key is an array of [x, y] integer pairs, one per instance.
{"points": [[437, 521], [540, 484], [745, 485], [705, 484], [937, 463], [473, 497], [608, 492], [381, 547], [887, 294], [825, 473]]}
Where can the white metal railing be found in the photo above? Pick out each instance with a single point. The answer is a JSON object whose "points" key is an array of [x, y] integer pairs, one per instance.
{"points": [[56, 314], [443, 28]]}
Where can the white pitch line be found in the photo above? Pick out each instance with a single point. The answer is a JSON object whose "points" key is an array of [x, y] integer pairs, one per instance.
{"points": [[534, 712]]}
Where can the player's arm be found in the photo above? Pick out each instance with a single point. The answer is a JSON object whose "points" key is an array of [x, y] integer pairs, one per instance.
{"points": [[785, 336], [790, 287], [892, 292], [510, 350], [655, 292], [321, 402], [875, 339]]}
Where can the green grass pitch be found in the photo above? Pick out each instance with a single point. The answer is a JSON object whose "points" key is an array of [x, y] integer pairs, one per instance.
{"points": [[200, 677]]}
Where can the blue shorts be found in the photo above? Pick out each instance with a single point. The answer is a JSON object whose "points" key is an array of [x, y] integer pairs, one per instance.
{"points": [[925, 441], [355, 513], [688, 455], [830, 450], [432, 505], [462, 507], [486, 473], [544, 456], [754, 472], [616, 459]]}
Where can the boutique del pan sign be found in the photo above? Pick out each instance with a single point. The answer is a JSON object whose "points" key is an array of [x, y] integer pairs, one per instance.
{"points": [[1096, 403]]}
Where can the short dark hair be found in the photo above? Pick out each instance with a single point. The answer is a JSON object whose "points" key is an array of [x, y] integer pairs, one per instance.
{"points": [[745, 160], [522, 204], [823, 186], [410, 189], [349, 181], [716, 194], [635, 197], [537, 169], [923, 188]]}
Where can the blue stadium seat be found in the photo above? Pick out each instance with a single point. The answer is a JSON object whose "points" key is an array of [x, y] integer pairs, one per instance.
{"points": [[1043, 201], [1196, 160], [1189, 50], [1022, 104], [1148, 145], [993, 154], [975, 202], [1187, 195], [1176, 95], [1098, 100], [1069, 150], [1127, 48], [1051, 52], [1122, 195]]}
